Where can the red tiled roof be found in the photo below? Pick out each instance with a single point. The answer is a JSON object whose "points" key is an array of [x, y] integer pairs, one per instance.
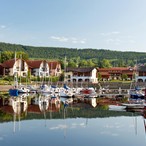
{"points": [[104, 73], [34, 63], [87, 69], [115, 69], [53, 64], [2, 65], [9, 63]]}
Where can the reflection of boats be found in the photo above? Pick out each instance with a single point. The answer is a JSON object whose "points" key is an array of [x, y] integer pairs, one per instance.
{"points": [[67, 100], [88, 92]]}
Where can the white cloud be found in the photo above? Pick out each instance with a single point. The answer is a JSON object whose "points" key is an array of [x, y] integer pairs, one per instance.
{"points": [[2, 26], [69, 39], [60, 39], [82, 41], [114, 41]]}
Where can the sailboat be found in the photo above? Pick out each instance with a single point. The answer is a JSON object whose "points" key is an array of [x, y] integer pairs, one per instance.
{"points": [[17, 88], [137, 92]]}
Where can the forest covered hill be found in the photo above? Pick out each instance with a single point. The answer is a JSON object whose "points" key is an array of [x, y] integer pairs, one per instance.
{"points": [[59, 53]]}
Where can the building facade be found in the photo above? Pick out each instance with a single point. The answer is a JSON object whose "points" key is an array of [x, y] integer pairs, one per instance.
{"points": [[141, 74], [14, 67], [116, 73], [81, 75], [55, 68], [38, 68]]}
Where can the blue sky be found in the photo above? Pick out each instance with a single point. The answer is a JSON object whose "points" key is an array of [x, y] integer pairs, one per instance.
{"points": [[108, 24]]}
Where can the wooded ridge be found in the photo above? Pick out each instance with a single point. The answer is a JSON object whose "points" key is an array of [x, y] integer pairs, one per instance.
{"points": [[59, 53]]}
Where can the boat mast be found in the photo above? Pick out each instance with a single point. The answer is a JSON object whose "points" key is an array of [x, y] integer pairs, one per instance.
{"points": [[65, 69]]}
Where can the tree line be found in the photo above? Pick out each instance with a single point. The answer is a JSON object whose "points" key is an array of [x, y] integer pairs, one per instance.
{"points": [[75, 57]]}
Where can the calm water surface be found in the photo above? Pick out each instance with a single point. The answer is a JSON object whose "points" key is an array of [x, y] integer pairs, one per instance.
{"points": [[84, 128], [113, 131]]}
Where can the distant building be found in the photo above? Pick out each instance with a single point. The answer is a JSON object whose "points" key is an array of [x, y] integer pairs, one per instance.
{"points": [[55, 68], [14, 67], [41, 68], [81, 75], [141, 74], [38, 68], [115, 73]]}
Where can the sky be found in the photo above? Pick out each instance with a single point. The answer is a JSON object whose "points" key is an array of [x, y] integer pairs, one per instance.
{"points": [[99, 24]]}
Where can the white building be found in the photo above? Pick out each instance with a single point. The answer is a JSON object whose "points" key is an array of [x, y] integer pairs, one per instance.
{"points": [[39, 68], [15, 67], [81, 75]]}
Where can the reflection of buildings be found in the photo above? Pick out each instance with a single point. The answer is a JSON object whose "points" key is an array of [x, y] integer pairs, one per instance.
{"points": [[92, 101], [44, 103], [19, 104]]}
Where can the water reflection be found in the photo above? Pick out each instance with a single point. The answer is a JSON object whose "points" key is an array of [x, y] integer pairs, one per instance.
{"points": [[40, 119]]}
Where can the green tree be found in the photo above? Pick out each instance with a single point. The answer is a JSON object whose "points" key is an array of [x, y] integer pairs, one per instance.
{"points": [[124, 76], [99, 76], [105, 63], [83, 63], [22, 55], [90, 63], [71, 63], [121, 63], [6, 55]]}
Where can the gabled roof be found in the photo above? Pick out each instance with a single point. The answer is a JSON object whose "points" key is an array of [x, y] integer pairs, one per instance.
{"points": [[53, 64], [2, 65], [34, 63], [87, 69], [9, 63]]}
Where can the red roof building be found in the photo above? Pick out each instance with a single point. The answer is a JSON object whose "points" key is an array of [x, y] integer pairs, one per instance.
{"points": [[116, 73], [55, 68], [14, 66], [38, 67]]}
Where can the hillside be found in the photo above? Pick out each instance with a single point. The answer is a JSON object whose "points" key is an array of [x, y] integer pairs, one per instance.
{"points": [[59, 53]]}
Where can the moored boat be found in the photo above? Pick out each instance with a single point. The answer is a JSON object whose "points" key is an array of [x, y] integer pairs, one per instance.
{"points": [[134, 105], [117, 107]]}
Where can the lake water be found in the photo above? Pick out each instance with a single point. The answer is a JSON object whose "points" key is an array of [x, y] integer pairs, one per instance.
{"points": [[71, 126]]}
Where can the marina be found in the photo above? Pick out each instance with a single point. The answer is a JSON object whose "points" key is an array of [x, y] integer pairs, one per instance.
{"points": [[70, 114]]}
